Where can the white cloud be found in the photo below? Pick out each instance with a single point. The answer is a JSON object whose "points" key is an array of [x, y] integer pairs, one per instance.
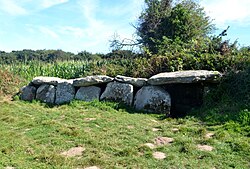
{"points": [[22, 7], [226, 11], [89, 9], [129, 8], [50, 3], [48, 32], [12, 7], [72, 31]]}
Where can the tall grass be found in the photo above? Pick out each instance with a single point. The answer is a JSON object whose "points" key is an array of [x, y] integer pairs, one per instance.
{"points": [[71, 69], [58, 69]]}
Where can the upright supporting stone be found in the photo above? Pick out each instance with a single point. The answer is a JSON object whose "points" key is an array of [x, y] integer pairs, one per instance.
{"points": [[88, 93], [65, 93], [153, 99], [28, 93], [120, 92], [46, 93]]}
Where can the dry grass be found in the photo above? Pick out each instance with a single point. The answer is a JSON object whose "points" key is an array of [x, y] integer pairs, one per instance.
{"points": [[9, 84]]}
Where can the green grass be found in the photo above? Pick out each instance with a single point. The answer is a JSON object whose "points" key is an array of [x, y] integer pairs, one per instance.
{"points": [[70, 69], [33, 135]]}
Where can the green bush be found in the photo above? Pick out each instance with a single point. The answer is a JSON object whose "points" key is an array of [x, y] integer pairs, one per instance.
{"points": [[229, 101]]}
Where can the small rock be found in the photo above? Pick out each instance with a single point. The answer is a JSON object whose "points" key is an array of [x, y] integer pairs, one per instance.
{"points": [[204, 147], [156, 129], [75, 151], [159, 155], [92, 167], [149, 145], [209, 135], [175, 129], [163, 140]]}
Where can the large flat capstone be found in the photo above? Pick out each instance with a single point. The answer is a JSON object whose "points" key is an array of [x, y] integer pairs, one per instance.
{"points": [[189, 76], [153, 99], [92, 80], [120, 92], [40, 80], [138, 82]]}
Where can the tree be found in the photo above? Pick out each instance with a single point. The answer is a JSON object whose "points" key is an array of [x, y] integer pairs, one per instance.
{"points": [[164, 22]]}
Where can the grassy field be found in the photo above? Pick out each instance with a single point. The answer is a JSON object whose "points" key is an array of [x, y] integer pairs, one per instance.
{"points": [[34, 135], [108, 135]]}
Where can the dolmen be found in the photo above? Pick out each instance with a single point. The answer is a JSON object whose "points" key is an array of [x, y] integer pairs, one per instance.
{"points": [[165, 93]]}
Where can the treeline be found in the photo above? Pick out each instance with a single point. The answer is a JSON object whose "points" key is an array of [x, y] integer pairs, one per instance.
{"points": [[49, 56]]}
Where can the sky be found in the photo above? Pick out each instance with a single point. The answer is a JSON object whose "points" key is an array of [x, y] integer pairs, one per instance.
{"points": [[78, 25]]}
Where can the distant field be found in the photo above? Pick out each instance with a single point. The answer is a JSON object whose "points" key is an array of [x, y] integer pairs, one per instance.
{"points": [[108, 136]]}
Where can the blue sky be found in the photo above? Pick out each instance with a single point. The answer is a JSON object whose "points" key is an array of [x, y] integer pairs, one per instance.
{"points": [[77, 25]]}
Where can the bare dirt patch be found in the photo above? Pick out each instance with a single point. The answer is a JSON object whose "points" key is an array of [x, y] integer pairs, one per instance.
{"points": [[7, 99], [130, 127], [204, 147], [75, 151]]}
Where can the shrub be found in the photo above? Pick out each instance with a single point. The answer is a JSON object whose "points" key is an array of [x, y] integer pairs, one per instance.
{"points": [[230, 101]]}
